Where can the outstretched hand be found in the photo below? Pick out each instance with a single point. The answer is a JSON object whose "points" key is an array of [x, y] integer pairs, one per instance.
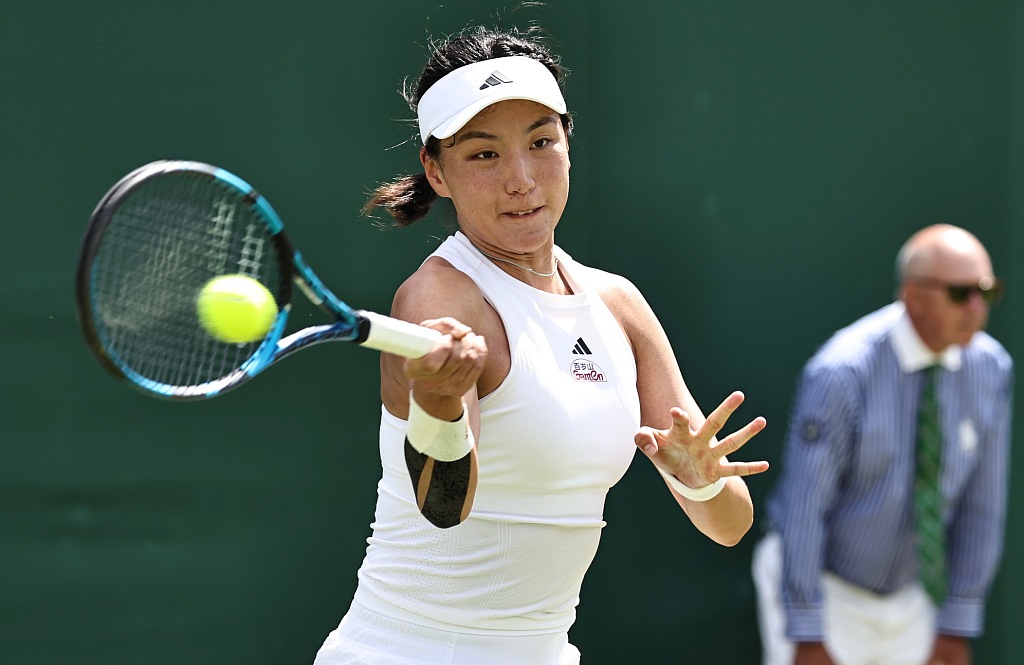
{"points": [[694, 456]]}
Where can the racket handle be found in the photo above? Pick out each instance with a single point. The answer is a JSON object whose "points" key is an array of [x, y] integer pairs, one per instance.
{"points": [[398, 337]]}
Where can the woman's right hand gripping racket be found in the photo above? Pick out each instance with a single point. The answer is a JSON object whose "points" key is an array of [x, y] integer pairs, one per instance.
{"points": [[157, 238]]}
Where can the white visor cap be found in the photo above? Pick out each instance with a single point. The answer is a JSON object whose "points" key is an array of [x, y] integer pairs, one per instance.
{"points": [[455, 98]]}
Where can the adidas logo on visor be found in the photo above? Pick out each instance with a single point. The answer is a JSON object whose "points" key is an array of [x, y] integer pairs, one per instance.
{"points": [[496, 78], [460, 94]]}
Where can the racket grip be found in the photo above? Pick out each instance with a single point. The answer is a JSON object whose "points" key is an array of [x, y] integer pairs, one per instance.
{"points": [[396, 336]]}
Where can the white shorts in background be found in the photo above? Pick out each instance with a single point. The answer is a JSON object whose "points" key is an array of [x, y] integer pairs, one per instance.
{"points": [[365, 637], [861, 628]]}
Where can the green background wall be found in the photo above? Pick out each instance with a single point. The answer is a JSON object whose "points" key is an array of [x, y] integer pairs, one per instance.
{"points": [[752, 166]]}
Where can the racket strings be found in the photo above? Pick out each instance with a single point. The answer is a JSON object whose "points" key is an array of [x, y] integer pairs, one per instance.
{"points": [[253, 249], [164, 242], [219, 236]]}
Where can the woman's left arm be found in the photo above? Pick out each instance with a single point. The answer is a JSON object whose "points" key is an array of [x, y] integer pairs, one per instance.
{"points": [[676, 436]]}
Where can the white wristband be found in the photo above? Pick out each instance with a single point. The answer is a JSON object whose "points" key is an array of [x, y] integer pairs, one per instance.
{"points": [[700, 494], [444, 441]]}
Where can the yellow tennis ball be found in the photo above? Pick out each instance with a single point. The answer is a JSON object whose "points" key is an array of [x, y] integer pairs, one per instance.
{"points": [[236, 309]]}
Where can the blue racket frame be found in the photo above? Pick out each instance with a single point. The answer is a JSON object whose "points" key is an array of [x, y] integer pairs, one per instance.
{"points": [[350, 325]]}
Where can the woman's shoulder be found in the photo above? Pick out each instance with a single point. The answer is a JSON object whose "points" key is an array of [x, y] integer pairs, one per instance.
{"points": [[613, 288], [437, 288]]}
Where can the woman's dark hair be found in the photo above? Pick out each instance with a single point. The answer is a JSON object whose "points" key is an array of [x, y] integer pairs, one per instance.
{"points": [[408, 198]]}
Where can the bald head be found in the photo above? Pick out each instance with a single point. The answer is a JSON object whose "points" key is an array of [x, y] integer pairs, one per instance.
{"points": [[945, 282], [934, 250]]}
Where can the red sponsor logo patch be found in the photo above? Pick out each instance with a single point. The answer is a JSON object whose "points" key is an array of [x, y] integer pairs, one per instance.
{"points": [[584, 370]]}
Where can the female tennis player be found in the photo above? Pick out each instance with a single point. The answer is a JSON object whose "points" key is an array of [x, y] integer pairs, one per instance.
{"points": [[500, 445]]}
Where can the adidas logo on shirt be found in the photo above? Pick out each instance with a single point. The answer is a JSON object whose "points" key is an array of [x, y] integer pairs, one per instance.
{"points": [[581, 348], [496, 78]]}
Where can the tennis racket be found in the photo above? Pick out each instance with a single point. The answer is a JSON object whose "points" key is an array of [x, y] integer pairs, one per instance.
{"points": [[156, 238]]}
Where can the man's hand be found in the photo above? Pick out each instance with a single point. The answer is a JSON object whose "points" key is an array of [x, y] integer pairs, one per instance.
{"points": [[812, 653], [950, 650]]}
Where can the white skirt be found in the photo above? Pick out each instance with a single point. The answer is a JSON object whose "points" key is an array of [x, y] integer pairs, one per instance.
{"points": [[365, 637]]}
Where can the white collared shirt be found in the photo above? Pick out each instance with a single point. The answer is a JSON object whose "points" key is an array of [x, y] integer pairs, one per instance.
{"points": [[912, 353]]}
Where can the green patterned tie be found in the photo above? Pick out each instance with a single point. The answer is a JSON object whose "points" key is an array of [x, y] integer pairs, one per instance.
{"points": [[927, 494]]}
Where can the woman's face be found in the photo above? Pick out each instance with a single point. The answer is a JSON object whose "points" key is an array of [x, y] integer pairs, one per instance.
{"points": [[507, 173]]}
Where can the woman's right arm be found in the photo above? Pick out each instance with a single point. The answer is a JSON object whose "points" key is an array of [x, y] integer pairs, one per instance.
{"points": [[443, 384]]}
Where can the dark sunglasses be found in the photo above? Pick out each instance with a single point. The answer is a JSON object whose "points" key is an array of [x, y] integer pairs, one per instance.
{"points": [[990, 290]]}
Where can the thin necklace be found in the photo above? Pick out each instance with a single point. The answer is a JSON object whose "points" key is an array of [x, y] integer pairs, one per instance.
{"points": [[527, 269]]}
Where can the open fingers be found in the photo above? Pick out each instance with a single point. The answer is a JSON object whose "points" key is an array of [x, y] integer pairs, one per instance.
{"points": [[717, 419], [742, 468], [739, 438]]}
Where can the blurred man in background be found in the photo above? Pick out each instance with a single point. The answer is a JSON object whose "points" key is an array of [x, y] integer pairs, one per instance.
{"points": [[887, 523]]}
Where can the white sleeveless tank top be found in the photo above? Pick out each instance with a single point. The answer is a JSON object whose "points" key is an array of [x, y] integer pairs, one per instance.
{"points": [[554, 437]]}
